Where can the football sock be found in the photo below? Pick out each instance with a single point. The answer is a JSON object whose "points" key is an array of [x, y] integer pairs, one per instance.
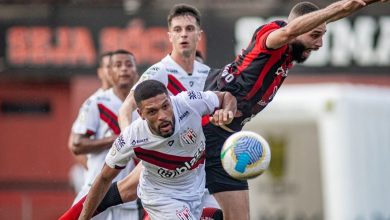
{"points": [[211, 214]]}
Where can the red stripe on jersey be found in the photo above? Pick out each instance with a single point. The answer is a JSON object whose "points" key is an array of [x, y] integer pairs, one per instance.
{"points": [[166, 161], [110, 118], [174, 85], [90, 132]]}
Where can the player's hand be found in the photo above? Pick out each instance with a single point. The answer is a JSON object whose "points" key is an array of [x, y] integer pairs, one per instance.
{"points": [[349, 5], [222, 117]]}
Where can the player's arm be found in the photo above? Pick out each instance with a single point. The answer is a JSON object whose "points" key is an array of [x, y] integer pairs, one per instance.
{"points": [[227, 109], [126, 110], [308, 22], [82, 159], [99, 188], [83, 144]]}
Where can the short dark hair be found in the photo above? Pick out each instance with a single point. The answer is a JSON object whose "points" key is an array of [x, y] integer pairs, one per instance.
{"points": [[121, 51], [148, 89], [182, 10], [101, 57], [302, 8]]}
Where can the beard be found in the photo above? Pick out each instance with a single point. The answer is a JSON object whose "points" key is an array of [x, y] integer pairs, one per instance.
{"points": [[297, 51], [168, 134]]}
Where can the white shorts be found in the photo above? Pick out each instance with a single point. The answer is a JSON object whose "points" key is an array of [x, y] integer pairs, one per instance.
{"points": [[164, 208]]}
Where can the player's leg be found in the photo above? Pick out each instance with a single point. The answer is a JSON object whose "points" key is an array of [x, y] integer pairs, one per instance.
{"points": [[123, 191], [231, 194]]}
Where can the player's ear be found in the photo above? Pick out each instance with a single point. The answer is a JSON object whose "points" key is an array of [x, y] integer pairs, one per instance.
{"points": [[140, 113], [169, 36]]}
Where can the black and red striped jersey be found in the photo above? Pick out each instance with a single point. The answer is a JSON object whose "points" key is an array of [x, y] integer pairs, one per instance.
{"points": [[254, 76]]}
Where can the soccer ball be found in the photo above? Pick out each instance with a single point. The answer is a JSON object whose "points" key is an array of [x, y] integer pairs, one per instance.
{"points": [[245, 155]]}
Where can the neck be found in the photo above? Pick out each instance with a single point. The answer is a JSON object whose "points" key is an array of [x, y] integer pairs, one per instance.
{"points": [[187, 63], [121, 91]]}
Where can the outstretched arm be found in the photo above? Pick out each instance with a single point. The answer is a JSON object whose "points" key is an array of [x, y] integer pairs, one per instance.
{"points": [[97, 191], [308, 22], [126, 110]]}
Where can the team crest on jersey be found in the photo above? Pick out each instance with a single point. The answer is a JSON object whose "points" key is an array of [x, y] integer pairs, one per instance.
{"points": [[184, 214], [189, 136]]}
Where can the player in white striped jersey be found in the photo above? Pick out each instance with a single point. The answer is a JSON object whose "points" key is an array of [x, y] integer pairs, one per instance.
{"points": [[100, 128], [79, 123], [169, 139]]}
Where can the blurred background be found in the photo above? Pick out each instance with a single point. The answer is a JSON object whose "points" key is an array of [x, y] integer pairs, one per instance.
{"points": [[328, 127]]}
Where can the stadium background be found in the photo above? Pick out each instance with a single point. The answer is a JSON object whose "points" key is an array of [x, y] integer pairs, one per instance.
{"points": [[48, 52]]}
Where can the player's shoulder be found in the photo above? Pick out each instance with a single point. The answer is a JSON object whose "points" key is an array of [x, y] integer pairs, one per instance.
{"points": [[105, 96], [136, 133], [153, 71], [201, 68]]}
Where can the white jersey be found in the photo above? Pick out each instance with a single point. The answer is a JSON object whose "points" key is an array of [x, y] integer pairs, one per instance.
{"points": [[101, 121], [78, 126], [173, 166], [175, 78]]}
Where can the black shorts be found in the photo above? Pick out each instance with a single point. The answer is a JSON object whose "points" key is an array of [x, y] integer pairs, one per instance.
{"points": [[217, 180]]}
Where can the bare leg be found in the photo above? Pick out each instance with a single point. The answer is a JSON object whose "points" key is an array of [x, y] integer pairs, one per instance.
{"points": [[234, 204]]}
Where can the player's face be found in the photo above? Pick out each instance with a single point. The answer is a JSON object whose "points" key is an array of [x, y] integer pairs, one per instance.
{"points": [[104, 71], [304, 44], [123, 70], [184, 34], [158, 112]]}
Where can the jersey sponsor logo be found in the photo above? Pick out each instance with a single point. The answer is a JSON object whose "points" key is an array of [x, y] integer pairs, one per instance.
{"points": [[119, 143], [134, 142], [282, 71], [262, 103], [189, 136], [184, 214], [172, 70], [194, 95], [155, 68], [184, 115], [188, 165], [203, 71]]}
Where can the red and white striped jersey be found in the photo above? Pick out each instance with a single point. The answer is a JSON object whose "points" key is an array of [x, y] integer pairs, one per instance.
{"points": [[173, 166], [175, 78]]}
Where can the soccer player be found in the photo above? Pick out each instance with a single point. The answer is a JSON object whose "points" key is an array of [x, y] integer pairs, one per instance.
{"points": [[254, 77], [100, 128], [168, 138], [106, 83]]}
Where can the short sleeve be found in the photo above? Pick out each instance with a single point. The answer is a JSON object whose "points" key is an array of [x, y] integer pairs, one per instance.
{"points": [[87, 121], [263, 34], [202, 102], [121, 151]]}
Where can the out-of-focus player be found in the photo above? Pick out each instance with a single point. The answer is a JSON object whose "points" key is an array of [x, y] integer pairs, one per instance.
{"points": [[168, 138], [100, 128], [78, 170]]}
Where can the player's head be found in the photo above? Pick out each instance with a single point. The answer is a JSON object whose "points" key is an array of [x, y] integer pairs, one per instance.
{"points": [[123, 69], [304, 44], [103, 70], [154, 106], [184, 30]]}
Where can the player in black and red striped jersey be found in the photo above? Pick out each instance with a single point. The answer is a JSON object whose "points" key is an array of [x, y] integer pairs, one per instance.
{"points": [[254, 77]]}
